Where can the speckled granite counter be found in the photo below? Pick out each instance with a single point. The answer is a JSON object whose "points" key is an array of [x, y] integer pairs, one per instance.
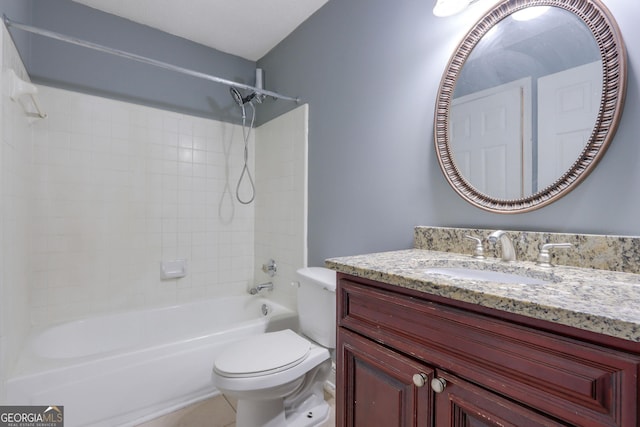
{"points": [[604, 252], [600, 301]]}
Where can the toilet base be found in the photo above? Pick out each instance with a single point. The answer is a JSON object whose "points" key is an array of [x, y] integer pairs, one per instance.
{"points": [[314, 412], [305, 407], [270, 413], [266, 413]]}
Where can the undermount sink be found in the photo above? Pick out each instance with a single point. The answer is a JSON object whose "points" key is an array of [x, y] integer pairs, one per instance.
{"points": [[486, 275]]}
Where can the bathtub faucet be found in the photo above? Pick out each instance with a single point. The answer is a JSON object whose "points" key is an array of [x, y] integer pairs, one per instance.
{"points": [[268, 286]]}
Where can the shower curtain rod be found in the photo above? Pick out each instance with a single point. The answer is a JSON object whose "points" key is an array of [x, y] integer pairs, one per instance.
{"points": [[73, 40]]}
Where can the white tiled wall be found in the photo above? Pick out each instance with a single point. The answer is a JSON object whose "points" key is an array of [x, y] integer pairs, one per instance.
{"points": [[15, 170], [281, 200], [120, 187]]}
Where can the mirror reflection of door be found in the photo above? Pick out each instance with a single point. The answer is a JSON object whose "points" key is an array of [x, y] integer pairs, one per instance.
{"points": [[491, 139], [568, 105]]}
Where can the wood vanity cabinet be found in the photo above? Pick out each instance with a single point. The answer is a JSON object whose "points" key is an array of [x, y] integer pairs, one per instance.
{"points": [[488, 368]]}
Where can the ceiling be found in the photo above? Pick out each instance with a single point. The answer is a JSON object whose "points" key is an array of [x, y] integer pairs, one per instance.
{"points": [[246, 28]]}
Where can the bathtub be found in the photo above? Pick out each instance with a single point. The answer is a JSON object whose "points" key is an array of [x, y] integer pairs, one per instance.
{"points": [[123, 369]]}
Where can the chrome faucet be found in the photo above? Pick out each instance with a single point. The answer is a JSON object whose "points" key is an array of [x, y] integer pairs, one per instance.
{"points": [[268, 286], [508, 251]]}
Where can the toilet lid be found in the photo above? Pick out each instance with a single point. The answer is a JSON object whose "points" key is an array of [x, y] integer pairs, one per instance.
{"points": [[263, 354]]}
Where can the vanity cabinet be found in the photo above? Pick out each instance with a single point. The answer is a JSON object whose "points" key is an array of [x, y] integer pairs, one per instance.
{"points": [[489, 369]]}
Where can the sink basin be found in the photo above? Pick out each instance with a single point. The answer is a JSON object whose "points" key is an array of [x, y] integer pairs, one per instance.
{"points": [[485, 275]]}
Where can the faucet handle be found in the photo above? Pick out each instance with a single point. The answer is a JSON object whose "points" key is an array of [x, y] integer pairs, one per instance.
{"points": [[544, 258], [478, 253], [270, 268]]}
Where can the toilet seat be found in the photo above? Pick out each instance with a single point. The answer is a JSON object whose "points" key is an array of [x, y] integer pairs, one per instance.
{"points": [[262, 355]]}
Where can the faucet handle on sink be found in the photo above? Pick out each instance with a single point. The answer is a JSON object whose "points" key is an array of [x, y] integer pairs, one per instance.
{"points": [[478, 253], [544, 258]]}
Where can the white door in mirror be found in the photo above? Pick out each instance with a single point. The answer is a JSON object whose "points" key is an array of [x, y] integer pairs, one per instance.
{"points": [[568, 105], [484, 127]]}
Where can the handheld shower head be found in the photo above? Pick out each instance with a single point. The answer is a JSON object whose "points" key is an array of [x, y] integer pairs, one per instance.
{"points": [[236, 95], [240, 100]]}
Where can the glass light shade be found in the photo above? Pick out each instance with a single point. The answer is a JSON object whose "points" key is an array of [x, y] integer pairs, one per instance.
{"points": [[449, 7]]}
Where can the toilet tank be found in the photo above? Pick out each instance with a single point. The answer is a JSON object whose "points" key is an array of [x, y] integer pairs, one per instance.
{"points": [[317, 304]]}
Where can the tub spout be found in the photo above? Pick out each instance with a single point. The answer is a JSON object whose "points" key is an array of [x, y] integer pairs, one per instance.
{"points": [[268, 286]]}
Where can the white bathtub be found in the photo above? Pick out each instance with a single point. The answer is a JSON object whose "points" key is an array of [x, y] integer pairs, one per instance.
{"points": [[123, 369]]}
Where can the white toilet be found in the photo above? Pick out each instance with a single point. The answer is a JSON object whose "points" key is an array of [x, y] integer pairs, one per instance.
{"points": [[278, 377]]}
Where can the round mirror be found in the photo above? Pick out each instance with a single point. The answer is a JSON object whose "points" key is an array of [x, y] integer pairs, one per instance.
{"points": [[529, 102]]}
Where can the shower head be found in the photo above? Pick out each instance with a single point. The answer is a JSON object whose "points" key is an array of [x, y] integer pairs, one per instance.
{"points": [[240, 100], [237, 97]]}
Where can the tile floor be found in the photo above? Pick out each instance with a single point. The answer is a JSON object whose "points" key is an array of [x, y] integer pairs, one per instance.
{"points": [[217, 411]]}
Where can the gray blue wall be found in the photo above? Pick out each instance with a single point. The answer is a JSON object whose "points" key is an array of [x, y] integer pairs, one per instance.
{"points": [[370, 71], [19, 10], [63, 65]]}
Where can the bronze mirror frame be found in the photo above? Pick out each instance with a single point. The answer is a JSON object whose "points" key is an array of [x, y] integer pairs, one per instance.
{"points": [[614, 66]]}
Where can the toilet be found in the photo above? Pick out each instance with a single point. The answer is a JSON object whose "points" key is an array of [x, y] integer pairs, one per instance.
{"points": [[278, 377]]}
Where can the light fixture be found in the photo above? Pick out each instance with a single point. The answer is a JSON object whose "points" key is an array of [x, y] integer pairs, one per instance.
{"points": [[449, 7]]}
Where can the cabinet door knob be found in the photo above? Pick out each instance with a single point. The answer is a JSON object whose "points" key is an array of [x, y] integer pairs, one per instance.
{"points": [[420, 379], [438, 385]]}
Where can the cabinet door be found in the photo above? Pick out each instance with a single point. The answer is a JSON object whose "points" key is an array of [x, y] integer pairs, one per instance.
{"points": [[462, 404], [376, 386]]}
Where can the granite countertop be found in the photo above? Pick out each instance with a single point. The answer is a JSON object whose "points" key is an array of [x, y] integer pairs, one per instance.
{"points": [[601, 301]]}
